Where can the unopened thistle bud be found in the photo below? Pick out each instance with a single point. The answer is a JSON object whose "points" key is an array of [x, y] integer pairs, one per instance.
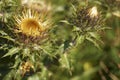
{"points": [[93, 12], [26, 67], [87, 18]]}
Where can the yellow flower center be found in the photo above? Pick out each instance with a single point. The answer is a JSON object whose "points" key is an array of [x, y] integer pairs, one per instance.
{"points": [[30, 27]]}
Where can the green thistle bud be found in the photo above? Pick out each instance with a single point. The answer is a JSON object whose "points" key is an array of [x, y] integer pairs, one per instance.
{"points": [[87, 19]]}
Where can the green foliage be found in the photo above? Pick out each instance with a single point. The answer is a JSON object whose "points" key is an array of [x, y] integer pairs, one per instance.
{"points": [[80, 45], [12, 51]]}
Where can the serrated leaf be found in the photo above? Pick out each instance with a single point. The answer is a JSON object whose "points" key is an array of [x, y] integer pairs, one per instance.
{"points": [[64, 61], [80, 39], [76, 28], [45, 51], [65, 21], [3, 46], [60, 50], [12, 51], [8, 38], [95, 36], [94, 42], [17, 61], [3, 33], [104, 28], [26, 52]]}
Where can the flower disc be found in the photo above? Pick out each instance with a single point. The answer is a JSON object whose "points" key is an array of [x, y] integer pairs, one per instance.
{"points": [[31, 23]]}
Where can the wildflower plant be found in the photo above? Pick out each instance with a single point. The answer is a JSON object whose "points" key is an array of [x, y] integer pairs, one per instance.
{"points": [[34, 47], [87, 22], [28, 39]]}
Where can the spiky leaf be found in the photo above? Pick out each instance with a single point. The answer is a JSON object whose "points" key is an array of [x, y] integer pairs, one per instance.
{"points": [[12, 51]]}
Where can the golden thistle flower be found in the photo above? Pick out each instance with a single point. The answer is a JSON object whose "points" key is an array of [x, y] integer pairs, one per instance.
{"points": [[32, 23]]}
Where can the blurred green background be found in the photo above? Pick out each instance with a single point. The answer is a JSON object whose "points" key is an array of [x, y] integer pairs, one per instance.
{"points": [[87, 61]]}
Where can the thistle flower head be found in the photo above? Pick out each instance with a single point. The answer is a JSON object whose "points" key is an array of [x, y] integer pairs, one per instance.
{"points": [[31, 23]]}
